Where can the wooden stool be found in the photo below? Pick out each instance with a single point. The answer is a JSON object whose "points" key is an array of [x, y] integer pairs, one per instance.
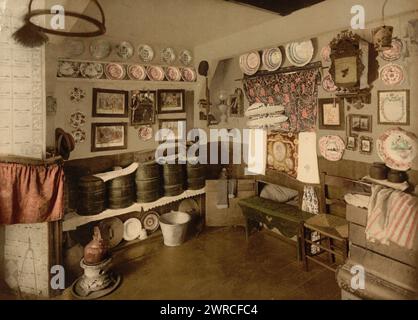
{"points": [[333, 239]]}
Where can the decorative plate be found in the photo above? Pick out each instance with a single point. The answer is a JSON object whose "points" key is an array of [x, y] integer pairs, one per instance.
{"points": [[272, 59], [91, 70], [325, 54], [79, 135], [145, 133], [328, 84], [332, 147], [395, 53], [150, 221], [77, 95], [173, 74], [168, 55], [125, 50], [131, 229], [392, 74], [300, 53], [186, 57], [155, 73], [188, 74], [136, 72], [74, 47], [397, 148], [112, 229], [250, 63], [115, 71], [77, 119], [100, 49], [68, 69], [146, 53]]}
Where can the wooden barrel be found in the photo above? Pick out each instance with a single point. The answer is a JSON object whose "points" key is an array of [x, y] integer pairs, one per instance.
{"points": [[196, 183], [120, 192], [148, 170], [148, 182], [91, 196], [173, 190], [195, 171]]}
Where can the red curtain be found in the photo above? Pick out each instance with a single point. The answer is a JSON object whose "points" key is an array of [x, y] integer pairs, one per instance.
{"points": [[31, 194]]}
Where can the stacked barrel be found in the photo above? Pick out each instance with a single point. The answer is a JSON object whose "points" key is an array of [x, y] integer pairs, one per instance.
{"points": [[173, 175], [196, 176], [121, 192], [148, 182], [92, 196]]}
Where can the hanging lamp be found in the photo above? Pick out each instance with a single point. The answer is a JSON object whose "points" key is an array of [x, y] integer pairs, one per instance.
{"points": [[32, 35]]}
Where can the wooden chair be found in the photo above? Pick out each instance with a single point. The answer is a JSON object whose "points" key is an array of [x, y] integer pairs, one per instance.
{"points": [[332, 229]]}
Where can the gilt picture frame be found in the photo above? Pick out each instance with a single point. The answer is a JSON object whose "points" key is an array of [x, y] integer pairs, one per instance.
{"points": [[109, 136], [109, 103]]}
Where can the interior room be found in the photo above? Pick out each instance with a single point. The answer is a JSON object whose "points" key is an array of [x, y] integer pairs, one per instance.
{"points": [[208, 150]]}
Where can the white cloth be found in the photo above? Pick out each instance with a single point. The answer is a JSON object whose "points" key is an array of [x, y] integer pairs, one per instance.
{"points": [[256, 140], [308, 171], [117, 173], [357, 200]]}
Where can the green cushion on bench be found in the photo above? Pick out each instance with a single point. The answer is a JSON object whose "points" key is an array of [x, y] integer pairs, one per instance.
{"points": [[283, 216]]}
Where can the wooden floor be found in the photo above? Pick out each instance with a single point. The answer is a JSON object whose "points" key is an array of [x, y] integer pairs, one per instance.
{"points": [[219, 264]]}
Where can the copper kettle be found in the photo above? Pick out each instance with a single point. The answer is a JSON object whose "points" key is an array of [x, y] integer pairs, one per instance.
{"points": [[96, 251]]}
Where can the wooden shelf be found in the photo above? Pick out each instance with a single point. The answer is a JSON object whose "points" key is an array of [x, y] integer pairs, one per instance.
{"points": [[72, 220], [179, 84]]}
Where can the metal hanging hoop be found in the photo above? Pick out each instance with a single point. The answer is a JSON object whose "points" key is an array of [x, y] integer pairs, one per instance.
{"points": [[101, 25]]}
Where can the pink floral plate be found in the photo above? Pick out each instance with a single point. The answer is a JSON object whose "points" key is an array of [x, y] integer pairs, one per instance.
{"points": [[395, 53], [188, 74], [136, 72], [332, 147], [397, 148], [155, 73], [392, 74], [173, 74], [328, 84], [115, 71], [145, 133]]}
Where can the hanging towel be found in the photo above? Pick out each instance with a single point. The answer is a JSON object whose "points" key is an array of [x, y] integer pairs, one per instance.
{"points": [[392, 217], [31, 194], [256, 146], [310, 204], [307, 171], [222, 194]]}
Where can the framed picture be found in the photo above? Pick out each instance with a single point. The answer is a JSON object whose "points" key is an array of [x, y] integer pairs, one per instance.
{"points": [[110, 103], [143, 106], [235, 103], [393, 107], [366, 145], [331, 114], [360, 123], [177, 126], [171, 101], [203, 106], [109, 136], [351, 143]]}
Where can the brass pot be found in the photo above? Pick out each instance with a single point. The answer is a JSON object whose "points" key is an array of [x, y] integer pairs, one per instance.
{"points": [[379, 171]]}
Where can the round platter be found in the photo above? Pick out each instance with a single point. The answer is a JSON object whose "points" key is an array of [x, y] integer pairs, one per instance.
{"points": [[145, 53], [272, 59], [397, 148], [125, 50], [74, 47], [173, 74], [168, 55], [136, 72], [155, 73], [68, 69], [300, 53], [186, 57], [189, 206], [77, 119], [250, 63], [132, 229], [115, 71], [395, 53], [188, 74], [79, 136], [328, 84], [392, 74], [91, 70], [332, 147], [150, 221], [112, 231], [100, 49]]}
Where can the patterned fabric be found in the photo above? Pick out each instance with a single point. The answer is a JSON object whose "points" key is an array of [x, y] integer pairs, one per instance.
{"points": [[31, 194], [282, 153], [310, 204], [297, 92]]}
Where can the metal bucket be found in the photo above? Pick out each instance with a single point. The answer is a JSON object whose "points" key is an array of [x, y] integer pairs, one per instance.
{"points": [[174, 227]]}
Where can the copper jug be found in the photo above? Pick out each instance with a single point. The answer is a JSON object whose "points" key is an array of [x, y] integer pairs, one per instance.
{"points": [[96, 251]]}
